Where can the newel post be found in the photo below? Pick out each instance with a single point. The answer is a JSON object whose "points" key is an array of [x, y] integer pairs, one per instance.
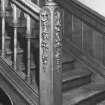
{"points": [[51, 29]]}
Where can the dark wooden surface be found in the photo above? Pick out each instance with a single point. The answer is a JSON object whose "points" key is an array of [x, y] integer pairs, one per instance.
{"points": [[85, 28]]}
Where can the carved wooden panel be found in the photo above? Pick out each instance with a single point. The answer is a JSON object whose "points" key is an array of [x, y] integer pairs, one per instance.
{"points": [[51, 29]]}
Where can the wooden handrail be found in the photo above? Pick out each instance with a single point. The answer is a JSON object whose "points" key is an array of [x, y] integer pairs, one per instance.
{"points": [[27, 6]]}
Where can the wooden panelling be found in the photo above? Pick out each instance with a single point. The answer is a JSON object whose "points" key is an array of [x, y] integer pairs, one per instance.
{"points": [[67, 25], [84, 35], [86, 14], [67, 28], [98, 43], [87, 39], [77, 31]]}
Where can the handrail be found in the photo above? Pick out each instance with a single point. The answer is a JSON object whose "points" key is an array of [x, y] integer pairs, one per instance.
{"points": [[8, 15], [27, 6]]}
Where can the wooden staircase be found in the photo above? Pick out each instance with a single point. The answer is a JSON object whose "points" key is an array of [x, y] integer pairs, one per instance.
{"points": [[79, 85], [79, 88]]}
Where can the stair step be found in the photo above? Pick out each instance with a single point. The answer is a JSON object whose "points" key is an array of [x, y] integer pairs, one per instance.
{"points": [[67, 58], [75, 78], [9, 51], [22, 67], [68, 62], [33, 66], [8, 44], [86, 95], [101, 103], [7, 37]]}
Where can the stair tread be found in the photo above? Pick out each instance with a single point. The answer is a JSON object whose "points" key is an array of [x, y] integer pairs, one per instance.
{"points": [[23, 67], [67, 56], [7, 37], [101, 103], [72, 97], [68, 59], [9, 51], [75, 74]]}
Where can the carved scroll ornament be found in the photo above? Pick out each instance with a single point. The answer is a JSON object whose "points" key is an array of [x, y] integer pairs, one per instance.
{"points": [[58, 39], [44, 38]]}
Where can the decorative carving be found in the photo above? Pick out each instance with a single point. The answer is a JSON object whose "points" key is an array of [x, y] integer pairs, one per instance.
{"points": [[58, 39], [44, 38], [51, 54]]}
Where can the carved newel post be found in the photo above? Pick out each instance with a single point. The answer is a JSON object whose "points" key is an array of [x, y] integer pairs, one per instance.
{"points": [[51, 29]]}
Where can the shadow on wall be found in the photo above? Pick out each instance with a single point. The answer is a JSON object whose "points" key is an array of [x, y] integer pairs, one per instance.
{"points": [[4, 99]]}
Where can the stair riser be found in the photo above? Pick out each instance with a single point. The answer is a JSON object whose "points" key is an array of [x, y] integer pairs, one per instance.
{"points": [[19, 60], [35, 43], [71, 84], [93, 100], [8, 43], [68, 66]]}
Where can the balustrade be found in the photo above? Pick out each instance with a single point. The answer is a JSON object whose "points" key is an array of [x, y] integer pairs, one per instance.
{"points": [[19, 25], [51, 30]]}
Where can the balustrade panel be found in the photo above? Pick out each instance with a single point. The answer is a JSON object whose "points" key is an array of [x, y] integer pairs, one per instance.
{"points": [[20, 42]]}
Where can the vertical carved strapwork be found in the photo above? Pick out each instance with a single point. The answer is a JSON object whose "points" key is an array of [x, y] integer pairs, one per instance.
{"points": [[15, 36], [28, 36], [51, 27], [3, 27]]}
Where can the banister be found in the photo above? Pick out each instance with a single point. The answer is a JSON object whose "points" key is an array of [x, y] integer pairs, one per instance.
{"points": [[27, 6]]}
